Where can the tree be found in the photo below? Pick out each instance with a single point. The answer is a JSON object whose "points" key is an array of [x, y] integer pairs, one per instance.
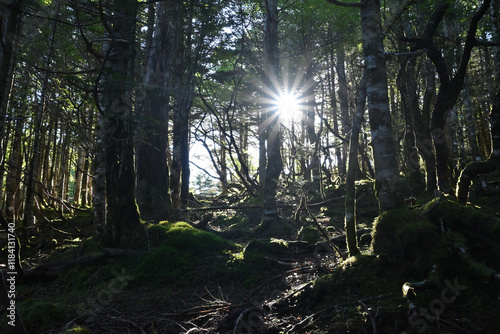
{"points": [[122, 215], [153, 195], [350, 195], [384, 152], [450, 83], [272, 124], [476, 168]]}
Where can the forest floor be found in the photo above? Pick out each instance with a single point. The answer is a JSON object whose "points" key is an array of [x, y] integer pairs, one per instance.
{"points": [[220, 272]]}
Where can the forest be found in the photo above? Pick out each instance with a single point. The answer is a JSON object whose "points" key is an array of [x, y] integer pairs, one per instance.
{"points": [[250, 166]]}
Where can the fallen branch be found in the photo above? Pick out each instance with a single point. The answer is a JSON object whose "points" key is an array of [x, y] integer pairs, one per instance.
{"points": [[204, 309]]}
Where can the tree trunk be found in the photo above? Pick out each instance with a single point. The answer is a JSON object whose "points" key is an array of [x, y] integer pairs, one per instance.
{"points": [[122, 216], [450, 87], [85, 187], [352, 168], [80, 156], [13, 180], [384, 153], [153, 195], [99, 180], [310, 104], [274, 162], [482, 167], [7, 58], [183, 73], [344, 106], [262, 149], [408, 89]]}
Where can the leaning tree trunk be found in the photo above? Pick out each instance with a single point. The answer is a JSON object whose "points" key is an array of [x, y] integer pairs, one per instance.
{"points": [[476, 168], [352, 168], [122, 215], [274, 161], [384, 152]]}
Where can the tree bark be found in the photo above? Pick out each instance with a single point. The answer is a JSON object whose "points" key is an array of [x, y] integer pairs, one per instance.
{"points": [[344, 106], [122, 215], [183, 78], [153, 195], [13, 180], [384, 153], [352, 168], [271, 83]]}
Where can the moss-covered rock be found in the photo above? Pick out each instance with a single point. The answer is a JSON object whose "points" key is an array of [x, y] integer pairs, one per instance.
{"points": [[270, 247], [309, 234], [405, 238]]}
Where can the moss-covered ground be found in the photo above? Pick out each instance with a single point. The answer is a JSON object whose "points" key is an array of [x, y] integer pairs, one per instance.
{"points": [[178, 278]]}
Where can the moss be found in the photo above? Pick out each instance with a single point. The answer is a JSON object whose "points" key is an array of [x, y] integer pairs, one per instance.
{"points": [[272, 247], [406, 239], [41, 314], [309, 234], [253, 264], [183, 237], [451, 211], [177, 248]]}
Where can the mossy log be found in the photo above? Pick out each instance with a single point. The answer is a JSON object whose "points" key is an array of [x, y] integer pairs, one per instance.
{"points": [[481, 228]]}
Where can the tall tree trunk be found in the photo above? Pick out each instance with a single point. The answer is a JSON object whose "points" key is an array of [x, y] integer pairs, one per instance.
{"points": [[271, 82], [352, 168], [122, 216], [85, 185], [99, 179], [408, 89], [79, 164], [153, 195], [262, 149], [183, 99], [310, 120], [384, 153], [344, 106], [472, 124]]}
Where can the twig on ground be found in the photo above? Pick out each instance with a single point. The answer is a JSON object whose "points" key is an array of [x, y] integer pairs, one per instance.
{"points": [[302, 323]]}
